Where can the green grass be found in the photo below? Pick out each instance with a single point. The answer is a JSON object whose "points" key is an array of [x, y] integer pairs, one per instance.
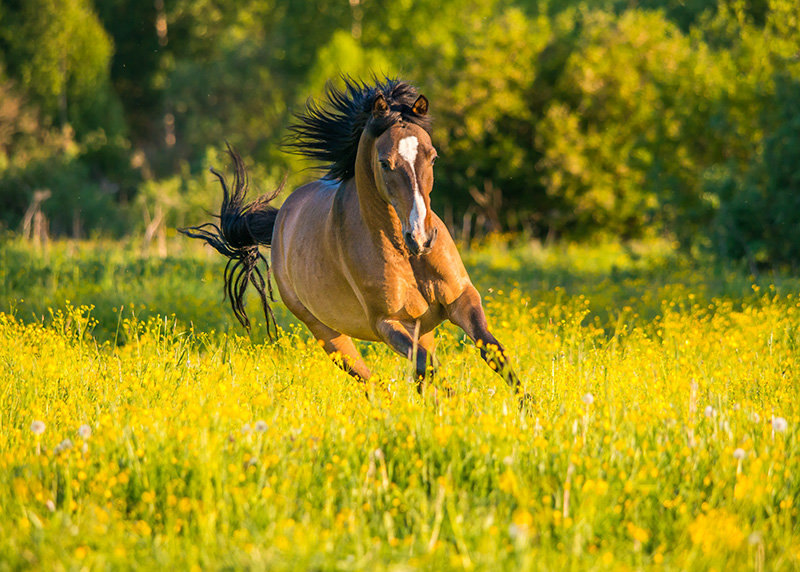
{"points": [[656, 439]]}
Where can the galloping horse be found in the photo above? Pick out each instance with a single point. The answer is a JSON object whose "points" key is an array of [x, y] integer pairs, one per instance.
{"points": [[358, 253]]}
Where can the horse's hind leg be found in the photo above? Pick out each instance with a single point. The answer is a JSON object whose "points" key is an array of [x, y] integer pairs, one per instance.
{"points": [[344, 353], [339, 347]]}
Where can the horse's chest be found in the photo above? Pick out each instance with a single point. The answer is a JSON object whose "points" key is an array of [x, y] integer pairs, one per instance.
{"points": [[408, 300]]}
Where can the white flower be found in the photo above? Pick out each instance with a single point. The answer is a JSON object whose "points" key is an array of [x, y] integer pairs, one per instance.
{"points": [[51, 506], [85, 431], [709, 411], [63, 446], [37, 427], [779, 424], [739, 454], [261, 426], [588, 399]]}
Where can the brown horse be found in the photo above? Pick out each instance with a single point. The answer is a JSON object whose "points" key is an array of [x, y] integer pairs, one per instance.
{"points": [[358, 253]]}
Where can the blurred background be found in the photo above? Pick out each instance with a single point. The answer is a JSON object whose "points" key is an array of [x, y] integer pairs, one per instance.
{"points": [[558, 120]]}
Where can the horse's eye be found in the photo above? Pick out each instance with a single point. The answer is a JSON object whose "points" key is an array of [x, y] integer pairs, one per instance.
{"points": [[433, 160], [385, 165]]}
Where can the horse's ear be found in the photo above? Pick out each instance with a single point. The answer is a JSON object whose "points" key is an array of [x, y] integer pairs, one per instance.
{"points": [[420, 106], [380, 107]]}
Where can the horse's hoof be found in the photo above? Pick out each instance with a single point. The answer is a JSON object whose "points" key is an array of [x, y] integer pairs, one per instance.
{"points": [[526, 400], [378, 389]]}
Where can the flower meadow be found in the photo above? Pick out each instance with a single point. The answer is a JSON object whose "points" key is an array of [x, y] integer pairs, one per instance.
{"points": [[140, 429]]}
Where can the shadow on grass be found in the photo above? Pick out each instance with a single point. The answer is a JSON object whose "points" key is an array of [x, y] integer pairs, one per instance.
{"points": [[119, 282]]}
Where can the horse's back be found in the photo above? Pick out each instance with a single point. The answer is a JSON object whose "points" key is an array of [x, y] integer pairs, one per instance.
{"points": [[310, 202], [300, 234]]}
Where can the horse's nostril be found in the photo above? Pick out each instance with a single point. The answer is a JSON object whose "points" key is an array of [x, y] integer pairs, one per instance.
{"points": [[432, 238], [412, 246]]}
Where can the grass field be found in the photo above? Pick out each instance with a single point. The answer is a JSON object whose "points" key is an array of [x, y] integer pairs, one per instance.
{"points": [[139, 427]]}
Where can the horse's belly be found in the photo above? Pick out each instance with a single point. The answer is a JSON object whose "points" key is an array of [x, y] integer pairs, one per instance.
{"points": [[310, 279], [331, 300]]}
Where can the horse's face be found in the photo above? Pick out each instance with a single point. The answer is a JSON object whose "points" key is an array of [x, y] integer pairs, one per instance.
{"points": [[403, 166]]}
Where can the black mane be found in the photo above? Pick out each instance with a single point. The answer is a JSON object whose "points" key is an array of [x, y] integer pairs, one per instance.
{"points": [[330, 132]]}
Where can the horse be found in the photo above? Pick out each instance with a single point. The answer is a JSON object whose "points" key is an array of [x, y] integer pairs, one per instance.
{"points": [[357, 253]]}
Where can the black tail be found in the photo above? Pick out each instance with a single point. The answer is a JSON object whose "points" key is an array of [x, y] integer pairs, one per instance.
{"points": [[242, 227]]}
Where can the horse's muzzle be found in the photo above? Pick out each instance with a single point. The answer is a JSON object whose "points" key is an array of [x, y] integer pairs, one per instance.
{"points": [[415, 247]]}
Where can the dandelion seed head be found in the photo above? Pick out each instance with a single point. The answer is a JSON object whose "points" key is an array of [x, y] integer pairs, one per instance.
{"points": [[37, 427], [739, 453], [588, 398], [709, 412], [261, 426], [63, 446], [85, 431], [779, 424]]}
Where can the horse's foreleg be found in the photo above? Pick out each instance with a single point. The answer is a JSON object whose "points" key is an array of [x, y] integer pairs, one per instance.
{"points": [[396, 336], [466, 312]]}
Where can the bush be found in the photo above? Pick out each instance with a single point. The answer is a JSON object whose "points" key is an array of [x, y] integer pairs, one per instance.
{"points": [[757, 217]]}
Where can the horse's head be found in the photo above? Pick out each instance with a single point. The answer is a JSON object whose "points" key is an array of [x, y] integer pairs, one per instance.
{"points": [[403, 167]]}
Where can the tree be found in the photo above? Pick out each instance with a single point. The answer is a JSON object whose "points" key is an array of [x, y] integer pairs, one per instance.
{"points": [[59, 53]]}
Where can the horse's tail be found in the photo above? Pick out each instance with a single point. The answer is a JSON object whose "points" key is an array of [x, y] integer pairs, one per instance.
{"points": [[242, 227]]}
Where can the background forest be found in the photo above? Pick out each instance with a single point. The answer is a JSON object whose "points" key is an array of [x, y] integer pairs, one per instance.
{"points": [[562, 120]]}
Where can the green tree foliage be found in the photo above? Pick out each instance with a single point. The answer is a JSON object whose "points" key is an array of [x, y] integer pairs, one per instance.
{"points": [[63, 129], [565, 118], [487, 118], [477, 62], [60, 54], [623, 138], [757, 189]]}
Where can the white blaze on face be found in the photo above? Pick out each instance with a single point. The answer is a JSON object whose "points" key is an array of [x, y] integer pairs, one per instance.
{"points": [[407, 148]]}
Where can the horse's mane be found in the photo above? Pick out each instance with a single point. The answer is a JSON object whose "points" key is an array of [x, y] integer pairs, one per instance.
{"points": [[330, 132]]}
